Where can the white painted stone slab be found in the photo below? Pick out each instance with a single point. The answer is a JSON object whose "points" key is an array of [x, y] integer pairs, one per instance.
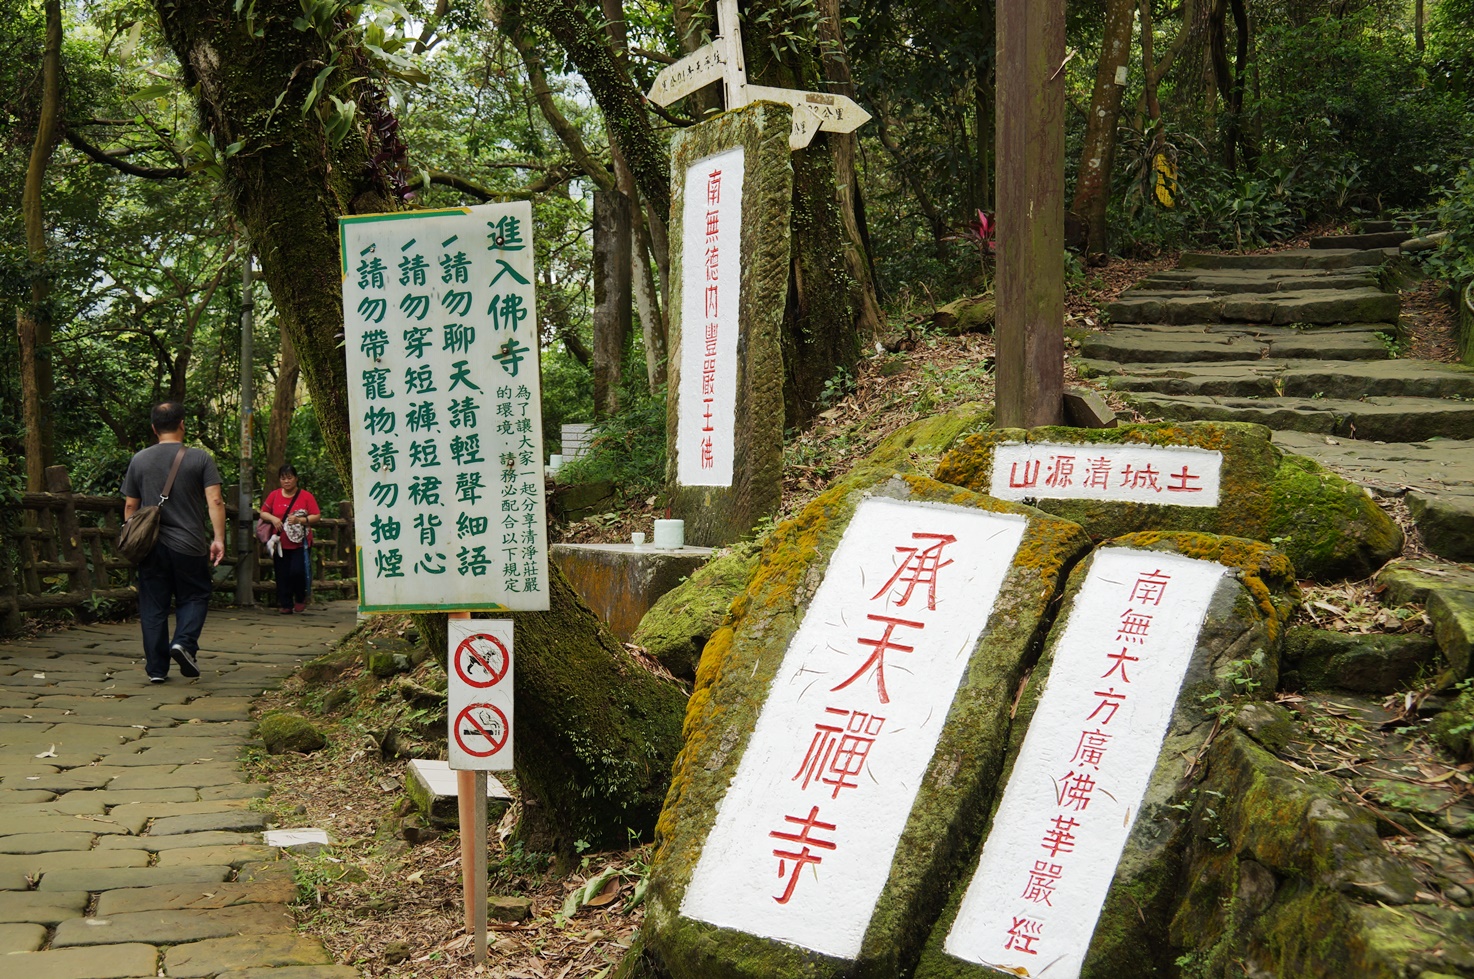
{"points": [[1085, 763], [437, 776], [711, 283], [803, 841], [1177, 475], [294, 837], [479, 698]]}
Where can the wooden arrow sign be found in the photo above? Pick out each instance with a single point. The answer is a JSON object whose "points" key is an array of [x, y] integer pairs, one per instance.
{"points": [[699, 68], [836, 113]]}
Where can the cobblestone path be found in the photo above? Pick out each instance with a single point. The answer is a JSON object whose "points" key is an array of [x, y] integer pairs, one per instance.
{"points": [[128, 842]]}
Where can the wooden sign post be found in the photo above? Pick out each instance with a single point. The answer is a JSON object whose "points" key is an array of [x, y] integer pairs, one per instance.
{"points": [[1031, 219], [479, 708], [722, 60]]}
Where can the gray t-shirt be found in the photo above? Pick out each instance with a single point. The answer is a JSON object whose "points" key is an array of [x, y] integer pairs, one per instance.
{"points": [[185, 518]]}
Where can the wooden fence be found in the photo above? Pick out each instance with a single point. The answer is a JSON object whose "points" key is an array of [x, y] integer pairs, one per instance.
{"points": [[57, 552]]}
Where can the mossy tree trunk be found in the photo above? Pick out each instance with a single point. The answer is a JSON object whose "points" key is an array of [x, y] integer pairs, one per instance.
{"points": [[33, 321], [831, 297], [287, 183], [596, 733]]}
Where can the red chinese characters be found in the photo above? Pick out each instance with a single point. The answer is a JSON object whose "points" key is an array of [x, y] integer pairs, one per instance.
{"points": [[712, 328], [1086, 476], [1061, 831], [842, 740]]}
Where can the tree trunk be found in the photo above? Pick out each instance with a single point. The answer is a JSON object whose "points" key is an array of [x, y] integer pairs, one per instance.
{"points": [[1223, 76], [1238, 131], [33, 322], [647, 302], [1093, 185], [845, 148], [577, 27], [612, 268], [1418, 41], [288, 184], [827, 306], [283, 406]]}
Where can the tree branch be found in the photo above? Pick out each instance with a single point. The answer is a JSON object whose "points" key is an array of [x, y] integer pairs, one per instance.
{"points": [[98, 156], [551, 177]]}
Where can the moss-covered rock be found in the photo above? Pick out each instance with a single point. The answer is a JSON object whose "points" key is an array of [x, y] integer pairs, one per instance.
{"points": [[1237, 651], [971, 314], [1327, 526], [1454, 727], [676, 628], [329, 666], [1285, 879], [284, 732], [737, 667], [1318, 659]]}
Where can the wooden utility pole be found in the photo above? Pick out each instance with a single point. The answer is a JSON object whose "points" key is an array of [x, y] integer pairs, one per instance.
{"points": [[1031, 214]]}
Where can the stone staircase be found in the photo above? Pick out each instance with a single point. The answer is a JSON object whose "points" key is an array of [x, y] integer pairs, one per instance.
{"points": [[1303, 341]]}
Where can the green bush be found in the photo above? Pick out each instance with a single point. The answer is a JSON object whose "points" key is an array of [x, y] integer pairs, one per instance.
{"points": [[628, 448]]}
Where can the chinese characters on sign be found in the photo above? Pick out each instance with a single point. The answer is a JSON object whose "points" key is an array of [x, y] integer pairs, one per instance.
{"points": [[1177, 475], [1085, 763], [711, 279], [446, 404], [804, 839], [479, 698]]}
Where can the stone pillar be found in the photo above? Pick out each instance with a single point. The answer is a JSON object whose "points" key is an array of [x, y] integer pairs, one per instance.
{"points": [[729, 260]]}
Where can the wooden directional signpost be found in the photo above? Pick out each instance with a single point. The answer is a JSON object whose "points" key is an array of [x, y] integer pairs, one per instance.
{"points": [[722, 60]]}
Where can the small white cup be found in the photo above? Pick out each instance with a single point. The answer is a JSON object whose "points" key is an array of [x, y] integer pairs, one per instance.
{"points": [[670, 534], [638, 538], [555, 462]]}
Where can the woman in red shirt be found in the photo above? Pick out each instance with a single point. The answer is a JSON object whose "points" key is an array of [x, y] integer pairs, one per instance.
{"points": [[292, 511]]}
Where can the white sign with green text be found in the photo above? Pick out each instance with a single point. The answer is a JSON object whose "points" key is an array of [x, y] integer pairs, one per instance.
{"points": [[445, 403]]}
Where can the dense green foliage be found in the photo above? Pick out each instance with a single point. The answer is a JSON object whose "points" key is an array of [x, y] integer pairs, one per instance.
{"points": [[1344, 116]]}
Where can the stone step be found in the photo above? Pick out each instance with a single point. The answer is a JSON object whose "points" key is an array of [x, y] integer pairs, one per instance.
{"points": [[1377, 419], [1372, 239], [1217, 342], [1316, 380], [1290, 258], [1228, 281], [1436, 478], [1365, 305]]}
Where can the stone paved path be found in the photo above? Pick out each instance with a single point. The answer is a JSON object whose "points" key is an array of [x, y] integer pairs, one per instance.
{"points": [[128, 846], [1302, 341]]}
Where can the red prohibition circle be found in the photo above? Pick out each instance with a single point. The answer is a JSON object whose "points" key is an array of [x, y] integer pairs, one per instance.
{"points": [[468, 658], [467, 725]]}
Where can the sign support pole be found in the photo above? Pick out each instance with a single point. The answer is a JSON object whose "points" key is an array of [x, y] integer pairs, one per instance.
{"points": [[470, 789], [478, 863]]}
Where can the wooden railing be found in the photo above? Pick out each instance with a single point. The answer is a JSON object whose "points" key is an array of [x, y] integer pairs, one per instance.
{"points": [[57, 552]]}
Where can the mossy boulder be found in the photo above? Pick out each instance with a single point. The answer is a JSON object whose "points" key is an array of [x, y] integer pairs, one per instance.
{"points": [[736, 671], [284, 732], [329, 666], [971, 314], [1327, 525], [1286, 879], [1237, 650], [1454, 727], [1319, 659], [676, 628]]}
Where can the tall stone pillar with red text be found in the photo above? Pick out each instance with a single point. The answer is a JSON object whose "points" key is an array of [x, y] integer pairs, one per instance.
{"points": [[732, 183]]}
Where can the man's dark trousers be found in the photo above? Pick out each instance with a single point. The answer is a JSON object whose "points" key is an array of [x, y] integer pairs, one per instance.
{"points": [[163, 576]]}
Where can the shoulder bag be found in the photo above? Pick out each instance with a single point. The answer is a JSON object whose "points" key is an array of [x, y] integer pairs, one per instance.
{"points": [[141, 531]]}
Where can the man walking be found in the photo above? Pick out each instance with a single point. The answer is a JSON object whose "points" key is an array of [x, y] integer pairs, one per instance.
{"points": [[178, 568]]}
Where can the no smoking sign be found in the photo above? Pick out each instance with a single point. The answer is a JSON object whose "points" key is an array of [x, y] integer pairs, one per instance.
{"points": [[480, 694]]}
